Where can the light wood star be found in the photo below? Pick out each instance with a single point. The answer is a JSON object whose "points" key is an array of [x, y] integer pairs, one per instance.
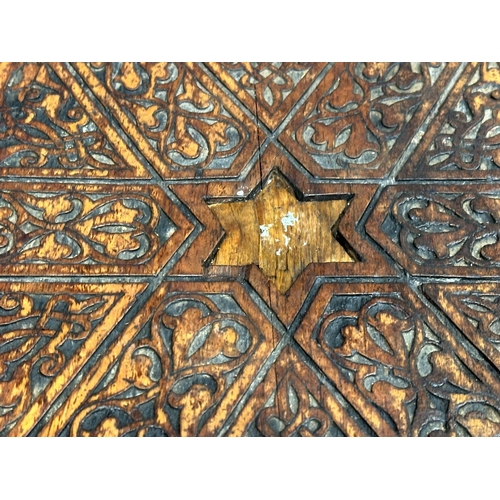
{"points": [[279, 233]]}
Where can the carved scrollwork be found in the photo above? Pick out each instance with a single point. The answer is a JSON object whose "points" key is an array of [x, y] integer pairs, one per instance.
{"points": [[360, 116], [457, 231], [293, 413], [77, 228], [469, 138], [37, 337], [42, 126], [269, 83], [475, 309], [313, 308], [184, 122], [414, 382], [169, 382]]}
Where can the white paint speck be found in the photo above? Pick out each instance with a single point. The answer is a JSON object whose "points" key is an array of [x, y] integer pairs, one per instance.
{"points": [[287, 240], [304, 244], [278, 252], [264, 230], [240, 192], [288, 220]]}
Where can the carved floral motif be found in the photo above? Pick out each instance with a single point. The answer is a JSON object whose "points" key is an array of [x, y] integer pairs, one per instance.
{"points": [[187, 123], [357, 114], [43, 128], [169, 382], [407, 372]]}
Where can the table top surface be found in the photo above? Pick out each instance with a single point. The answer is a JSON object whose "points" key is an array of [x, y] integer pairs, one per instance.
{"points": [[249, 249]]}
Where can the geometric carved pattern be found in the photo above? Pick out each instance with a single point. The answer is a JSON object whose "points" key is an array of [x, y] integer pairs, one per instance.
{"points": [[475, 309], [182, 123], [249, 249], [48, 331], [177, 369], [351, 125], [268, 87], [450, 230], [291, 401], [203, 258], [397, 365], [46, 130]]}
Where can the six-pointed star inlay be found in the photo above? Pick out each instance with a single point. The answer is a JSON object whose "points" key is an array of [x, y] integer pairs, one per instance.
{"points": [[279, 233]]}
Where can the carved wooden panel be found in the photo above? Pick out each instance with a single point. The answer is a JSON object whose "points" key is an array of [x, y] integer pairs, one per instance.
{"points": [[249, 249]]}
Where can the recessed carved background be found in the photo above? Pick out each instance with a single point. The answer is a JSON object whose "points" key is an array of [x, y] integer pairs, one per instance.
{"points": [[249, 249]]}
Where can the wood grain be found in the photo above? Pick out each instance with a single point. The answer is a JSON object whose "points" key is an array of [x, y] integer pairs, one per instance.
{"points": [[249, 249], [279, 234]]}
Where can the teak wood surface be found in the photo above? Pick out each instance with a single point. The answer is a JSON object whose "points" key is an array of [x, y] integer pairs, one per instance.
{"points": [[249, 249]]}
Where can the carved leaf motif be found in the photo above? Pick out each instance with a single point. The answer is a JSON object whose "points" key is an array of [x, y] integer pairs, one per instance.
{"points": [[185, 373], [483, 313], [52, 208], [42, 125], [375, 70], [394, 114], [116, 230], [73, 227], [292, 413], [184, 121], [405, 78], [351, 126], [344, 94], [201, 339], [48, 248], [193, 93]]}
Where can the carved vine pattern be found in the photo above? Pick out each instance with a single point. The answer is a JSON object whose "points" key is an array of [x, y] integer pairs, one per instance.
{"points": [[367, 108], [406, 372], [185, 123], [181, 369], [483, 312], [470, 138], [292, 413], [43, 126], [31, 341], [75, 228], [465, 229], [270, 82]]}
